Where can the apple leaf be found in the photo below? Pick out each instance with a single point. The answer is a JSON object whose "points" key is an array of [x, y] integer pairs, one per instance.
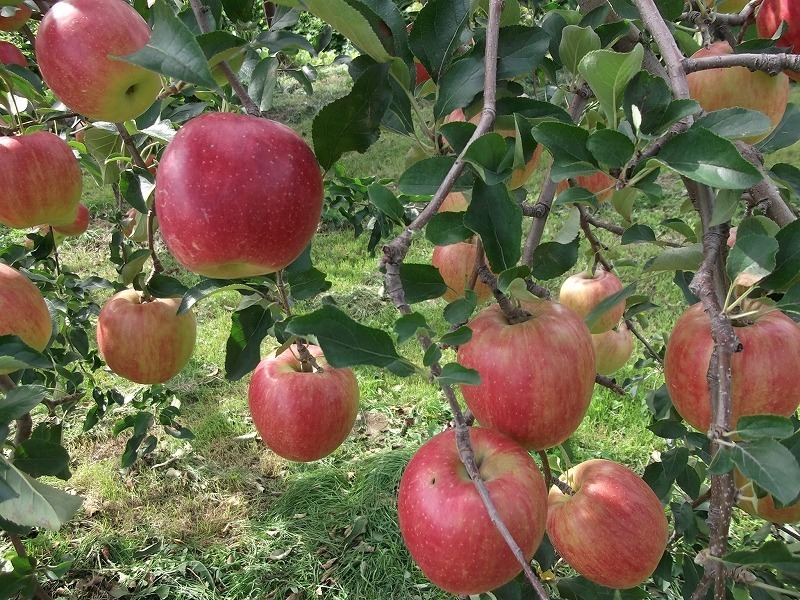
{"points": [[424, 177], [353, 121], [638, 234], [173, 50], [436, 33], [101, 143], [277, 40], [567, 144], [459, 310], [725, 206], [609, 303], [772, 466], [347, 343], [421, 282], [490, 157], [447, 228], [687, 258], [136, 190], [40, 457], [553, 259], [763, 426], [735, 123], [206, 288], [408, 325], [263, 81], [576, 195], [772, 555], [497, 219], [608, 73], [240, 10], [610, 148], [459, 85], [456, 374], [576, 42], [646, 98], [786, 175], [787, 260], [432, 355], [19, 402], [455, 338], [249, 327], [520, 50], [755, 250], [164, 286], [385, 201], [16, 354], [307, 284], [785, 134]]}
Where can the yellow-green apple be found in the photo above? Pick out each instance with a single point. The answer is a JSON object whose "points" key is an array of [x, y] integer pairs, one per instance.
{"points": [[144, 339], [716, 89], [582, 292], [41, 178], [77, 46], [15, 21], [454, 202], [23, 311], [302, 413], [600, 184], [612, 348], [237, 196], [613, 529], [537, 375], [763, 375], [11, 55], [763, 508], [456, 263], [444, 523], [770, 15]]}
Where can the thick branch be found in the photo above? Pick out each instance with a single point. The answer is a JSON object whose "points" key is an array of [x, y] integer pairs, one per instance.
{"points": [[765, 194], [673, 58], [772, 64]]}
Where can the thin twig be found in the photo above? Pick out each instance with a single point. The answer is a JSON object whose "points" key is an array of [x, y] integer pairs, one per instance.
{"points": [[610, 383]]}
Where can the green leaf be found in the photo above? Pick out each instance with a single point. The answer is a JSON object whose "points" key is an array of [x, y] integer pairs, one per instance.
{"points": [[610, 148], [455, 338], [687, 258], [421, 282], [520, 50], [40, 457], [239, 10], [497, 219], [347, 343], [645, 101], [763, 426], [163, 286], [490, 157], [249, 327], [455, 374], [552, 259], [173, 50], [20, 401], [754, 252], [16, 354], [707, 158], [352, 122], [725, 206], [773, 554], [722, 463], [508, 276], [567, 144], [307, 284], [608, 73], [787, 261], [136, 190], [436, 33], [263, 81], [277, 40], [459, 85], [771, 466], [638, 234], [386, 202], [424, 177], [220, 45], [735, 123], [576, 42], [447, 228], [786, 175], [206, 288], [101, 144], [608, 303], [408, 325], [432, 355], [460, 309], [785, 134]]}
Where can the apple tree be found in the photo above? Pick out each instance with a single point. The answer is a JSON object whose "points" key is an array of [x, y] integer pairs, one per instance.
{"points": [[169, 105]]}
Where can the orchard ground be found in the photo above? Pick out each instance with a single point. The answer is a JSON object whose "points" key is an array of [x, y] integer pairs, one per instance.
{"points": [[223, 517]]}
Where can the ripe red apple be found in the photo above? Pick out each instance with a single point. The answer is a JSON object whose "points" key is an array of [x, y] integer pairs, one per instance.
{"points": [[422, 73], [237, 196], [17, 20], [600, 184], [23, 311], [454, 202], [537, 376], [76, 46], [613, 530], [444, 523], [612, 348], [763, 376], [715, 89], [582, 292], [763, 508], [78, 226], [11, 55], [302, 414], [770, 16], [456, 263], [144, 340], [41, 178]]}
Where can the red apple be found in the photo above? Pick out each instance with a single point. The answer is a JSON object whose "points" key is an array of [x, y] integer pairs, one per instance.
{"points": [[763, 376], [763, 508], [77, 45], [16, 21], [612, 348], [145, 340], [716, 89], [600, 184], [456, 263], [300, 413], [237, 196], [422, 73], [11, 55], [770, 16], [23, 311], [454, 202], [444, 523], [613, 530], [78, 226], [537, 376], [582, 292], [41, 178]]}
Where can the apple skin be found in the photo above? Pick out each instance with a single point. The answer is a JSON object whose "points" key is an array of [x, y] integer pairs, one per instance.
{"points": [[145, 341], [302, 416], [455, 263], [763, 376], [42, 180], [78, 226], [763, 508], [769, 18], [11, 55], [17, 20], [74, 47], [422, 73], [541, 404], [613, 530], [600, 184], [454, 202], [237, 196], [612, 348], [444, 522], [716, 89], [23, 311], [134, 226], [582, 292]]}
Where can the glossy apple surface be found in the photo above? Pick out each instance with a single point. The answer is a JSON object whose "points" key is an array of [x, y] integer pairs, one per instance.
{"points": [[75, 48], [302, 414], [145, 341], [78, 226], [613, 530], [769, 17], [763, 376], [16, 21], [11, 55], [237, 196], [445, 524], [456, 263], [716, 89], [582, 292], [41, 180], [537, 376], [23, 311], [612, 348]]}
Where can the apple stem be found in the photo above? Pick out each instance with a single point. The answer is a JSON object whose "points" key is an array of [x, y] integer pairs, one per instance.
{"points": [[637, 334], [308, 364], [548, 473], [563, 486]]}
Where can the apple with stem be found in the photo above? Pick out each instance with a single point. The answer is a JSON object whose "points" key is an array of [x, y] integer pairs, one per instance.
{"points": [[456, 263], [612, 348], [769, 17], [23, 311], [302, 409], [613, 529], [77, 48], [144, 339], [582, 293], [541, 403], [445, 524], [237, 196], [16, 21], [11, 55]]}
